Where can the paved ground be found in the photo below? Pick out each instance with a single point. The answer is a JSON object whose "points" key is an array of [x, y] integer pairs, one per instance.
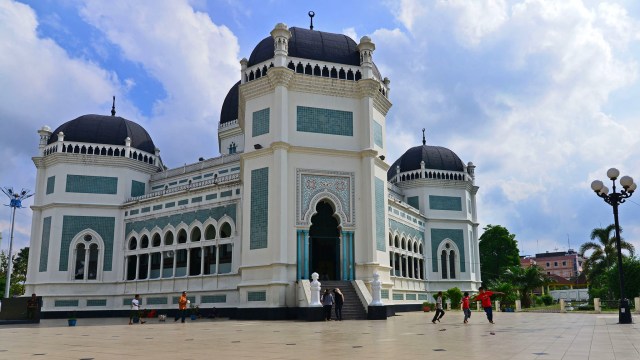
{"points": [[409, 335]]}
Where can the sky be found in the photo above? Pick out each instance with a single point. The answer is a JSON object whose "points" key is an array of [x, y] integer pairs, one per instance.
{"points": [[542, 96]]}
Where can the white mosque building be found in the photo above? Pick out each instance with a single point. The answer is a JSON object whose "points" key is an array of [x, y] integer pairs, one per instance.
{"points": [[301, 186]]}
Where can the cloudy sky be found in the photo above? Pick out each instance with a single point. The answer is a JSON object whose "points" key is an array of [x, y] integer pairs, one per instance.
{"points": [[541, 95]]}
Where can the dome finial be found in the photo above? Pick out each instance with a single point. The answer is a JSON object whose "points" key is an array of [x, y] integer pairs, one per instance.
{"points": [[113, 107], [311, 15], [424, 141]]}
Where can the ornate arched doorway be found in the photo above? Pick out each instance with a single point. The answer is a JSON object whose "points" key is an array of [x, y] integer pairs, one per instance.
{"points": [[324, 242]]}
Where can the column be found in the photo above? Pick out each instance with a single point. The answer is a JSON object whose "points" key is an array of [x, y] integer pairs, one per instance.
{"points": [[305, 235]]}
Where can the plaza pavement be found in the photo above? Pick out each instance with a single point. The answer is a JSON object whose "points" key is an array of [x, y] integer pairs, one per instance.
{"points": [[406, 336]]}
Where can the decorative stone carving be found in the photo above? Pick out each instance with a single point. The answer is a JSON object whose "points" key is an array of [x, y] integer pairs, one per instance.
{"points": [[315, 185], [280, 76]]}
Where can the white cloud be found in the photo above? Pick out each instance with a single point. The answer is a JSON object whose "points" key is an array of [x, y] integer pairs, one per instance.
{"points": [[351, 32], [195, 60]]}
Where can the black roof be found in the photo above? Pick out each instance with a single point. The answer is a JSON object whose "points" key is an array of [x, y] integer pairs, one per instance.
{"points": [[434, 157], [229, 110], [311, 44], [105, 129]]}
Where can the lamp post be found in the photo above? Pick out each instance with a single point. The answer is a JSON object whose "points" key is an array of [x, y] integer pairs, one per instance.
{"points": [[15, 202], [615, 199]]}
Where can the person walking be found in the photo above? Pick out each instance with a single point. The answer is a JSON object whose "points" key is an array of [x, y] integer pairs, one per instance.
{"points": [[339, 299], [485, 297], [33, 305], [135, 310], [465, 307], [327, 304], [439, 310], [182, 307]]}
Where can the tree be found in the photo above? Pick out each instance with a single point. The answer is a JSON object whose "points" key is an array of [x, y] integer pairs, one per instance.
{"points": [[603, 252], [18, 272], [631, 268], [498, 251], [526, 280], [455, 295]]}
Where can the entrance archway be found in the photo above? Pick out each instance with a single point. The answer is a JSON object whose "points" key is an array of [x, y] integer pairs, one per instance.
{"points": [[324, 244]]}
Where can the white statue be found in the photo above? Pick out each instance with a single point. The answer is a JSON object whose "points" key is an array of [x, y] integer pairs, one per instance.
{"points": [[376, 290], [315, 290]]}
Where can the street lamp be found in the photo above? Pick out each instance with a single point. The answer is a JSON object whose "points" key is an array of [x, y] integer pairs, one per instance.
{"points": [[614, 199], [15, 202]]}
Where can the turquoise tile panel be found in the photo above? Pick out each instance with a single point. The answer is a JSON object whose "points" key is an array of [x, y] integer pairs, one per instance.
{"points": [[260, 125], [211, 299], [223, 171], [145, 209], [137, 188], [259, 211], [170, 205], [157, 187], [173, 183], [96, 302], [183, 202], [402, 228], [377, 133], [44, 245], [324, 121], [211, 197], [237, 168], [384, 294], [445, 203], [196, 199], [379, 194], [51, 184], [157, 207], [191, 299], [414, 201], [398, 296], [437, 236], [188, 217], [197, 177], [72, 225], [226, 193], [65, 303], [183, 181], [423, 297], [208, 175], [410, 297], [134, 212], [153, 301], [256, 296], [85, 184]]}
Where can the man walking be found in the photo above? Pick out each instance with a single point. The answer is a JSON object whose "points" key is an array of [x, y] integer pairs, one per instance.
{"points": [[485, 297], [439, 310], [182, 307], [135, 310]]}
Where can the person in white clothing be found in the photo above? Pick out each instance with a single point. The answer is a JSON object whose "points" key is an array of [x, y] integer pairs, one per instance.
{"points": [[135, 310]]}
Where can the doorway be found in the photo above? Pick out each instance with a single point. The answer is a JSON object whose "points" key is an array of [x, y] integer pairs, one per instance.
{"points": [[324, 244]]}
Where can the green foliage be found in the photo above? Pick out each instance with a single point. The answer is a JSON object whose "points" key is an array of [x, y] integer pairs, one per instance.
{"points": [[18, 272], [525, 280], [510, 292], [455, 295], [498, 251], [546, 299], [444, 296], [631, 269], [602, 253]]}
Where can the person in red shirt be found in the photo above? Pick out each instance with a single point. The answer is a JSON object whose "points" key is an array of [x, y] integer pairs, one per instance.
{"points": [[485, 297], [465, 307]]}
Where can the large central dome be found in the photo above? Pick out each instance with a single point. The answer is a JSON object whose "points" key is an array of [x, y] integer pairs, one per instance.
{"points": [[313, 45], [105, 129]]}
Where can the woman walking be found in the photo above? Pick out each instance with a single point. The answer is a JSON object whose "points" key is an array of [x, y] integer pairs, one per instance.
{"points": [[327, 304]]}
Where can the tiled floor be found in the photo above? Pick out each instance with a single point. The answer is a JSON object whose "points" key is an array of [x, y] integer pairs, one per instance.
{"points": [[409, 335]]}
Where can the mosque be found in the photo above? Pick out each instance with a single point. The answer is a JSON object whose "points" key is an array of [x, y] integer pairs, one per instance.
{"points": [[301, 185]]}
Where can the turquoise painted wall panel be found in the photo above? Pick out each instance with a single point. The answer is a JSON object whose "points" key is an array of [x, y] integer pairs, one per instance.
{"points": [[414, 201], [377, 133], [137, 188], [72, 225], [398, 296], [260, 125], [437, 236], [324, 121], [380, 234], [384, 294], [152, 301], [201, 215], [256, 296], [210, 299], [85, 184], [44, 245], [259, 211], [96, 302], [402, 228], [51, 184], [445, 203], [65, 303]]}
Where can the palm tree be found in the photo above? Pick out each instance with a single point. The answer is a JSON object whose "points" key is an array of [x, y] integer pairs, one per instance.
{"points": [[604, 250], [526, 280]]}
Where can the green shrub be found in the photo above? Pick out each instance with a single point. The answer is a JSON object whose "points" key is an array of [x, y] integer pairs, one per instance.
{"points": [[547, 299], [455, 295]]}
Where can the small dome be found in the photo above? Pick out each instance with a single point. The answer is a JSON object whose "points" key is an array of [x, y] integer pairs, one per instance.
{"points": [[434, 157], [229, 110], [105, 129]]}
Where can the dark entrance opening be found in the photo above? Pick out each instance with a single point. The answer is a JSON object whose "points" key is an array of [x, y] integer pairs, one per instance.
{"points": [[324, 243]]}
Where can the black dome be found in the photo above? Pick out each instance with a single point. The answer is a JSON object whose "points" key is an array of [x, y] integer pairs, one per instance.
{"points": [[229, 110], [434, 157], [105, 129], [310, 44]]}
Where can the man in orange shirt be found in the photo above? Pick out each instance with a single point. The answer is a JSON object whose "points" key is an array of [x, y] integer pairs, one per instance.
{"points": [[485, 297], [182, 306]]}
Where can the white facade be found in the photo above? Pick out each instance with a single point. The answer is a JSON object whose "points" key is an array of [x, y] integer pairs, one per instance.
{"points": [[301, 187]]}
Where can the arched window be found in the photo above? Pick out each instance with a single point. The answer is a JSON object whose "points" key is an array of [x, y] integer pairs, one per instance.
{"points": [[397, 242], [133, 243], [182, 236], [308, 70], [144, 242], [225, 230], [80, 268], [210, 233], [452, 264], [168, 238], [390, 240], [404, 244], [93, 261], [299, 68], [86, 259], [155, 240], [443, 260], [196, 234]]}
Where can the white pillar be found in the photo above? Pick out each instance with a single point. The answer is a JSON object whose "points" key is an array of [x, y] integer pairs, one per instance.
{"points": [[562, 306], [479, 305], [518, 305], [449, 305], [637, 303], [376, 290], [497, 305], [596, 305], [315, 291]]}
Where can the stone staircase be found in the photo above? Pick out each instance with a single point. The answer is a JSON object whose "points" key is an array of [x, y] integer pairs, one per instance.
{"points": [[352, 308]]}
